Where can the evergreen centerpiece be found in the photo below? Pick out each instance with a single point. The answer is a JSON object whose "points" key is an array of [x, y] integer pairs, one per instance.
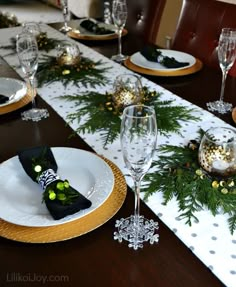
{"points": [[84, 72], [45, 44], [100, 113], [179, 174]]}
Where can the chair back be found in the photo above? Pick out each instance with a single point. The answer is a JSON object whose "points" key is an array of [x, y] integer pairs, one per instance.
{"points": [[199, 28], [144, 18]]}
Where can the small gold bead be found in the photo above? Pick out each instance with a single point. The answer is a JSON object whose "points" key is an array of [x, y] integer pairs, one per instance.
{"points": [[222, 183], [215, 184], [224, 190], [65, 72]]}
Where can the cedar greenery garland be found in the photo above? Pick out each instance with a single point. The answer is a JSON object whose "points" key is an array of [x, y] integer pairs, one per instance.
{"points": [[8, 20], [100, 114], [45, 44], [178, 174], [85, 73]]}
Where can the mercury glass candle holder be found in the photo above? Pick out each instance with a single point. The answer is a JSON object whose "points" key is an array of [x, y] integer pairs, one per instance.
{"points": [[217, 152], [127, 90], [68, 54]]}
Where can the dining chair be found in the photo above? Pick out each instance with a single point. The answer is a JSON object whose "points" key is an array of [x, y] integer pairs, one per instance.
{"points": [[144, 18], [199, 26]]}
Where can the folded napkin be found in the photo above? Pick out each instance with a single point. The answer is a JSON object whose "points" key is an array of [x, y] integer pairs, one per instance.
{"points": [[93, 27], [60, 198], [3, 99], [151, 53]]}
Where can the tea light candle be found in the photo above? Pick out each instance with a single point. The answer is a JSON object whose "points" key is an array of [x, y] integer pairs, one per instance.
{"points": [[220, 165], [66, 59], [124, 97]]}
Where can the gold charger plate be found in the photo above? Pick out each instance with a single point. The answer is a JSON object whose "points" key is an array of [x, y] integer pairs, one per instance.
{"points": [[17, 105], [81, 36], [74, 228], [164, 73]]}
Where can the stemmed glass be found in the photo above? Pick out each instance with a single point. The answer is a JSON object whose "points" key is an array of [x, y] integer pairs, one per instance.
{"points": [[138, 142], [65, 28], [119, 16], [226, 55], [27, 51], [31, 27]]}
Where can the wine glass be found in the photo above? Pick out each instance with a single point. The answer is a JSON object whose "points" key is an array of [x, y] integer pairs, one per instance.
{"points": [[65, 28], [119, 16], [138, 142], [226, 55], [27, 51]]}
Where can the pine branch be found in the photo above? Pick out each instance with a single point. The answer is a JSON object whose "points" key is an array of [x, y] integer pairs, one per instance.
{"points": [[178, 173], [86, 73], [232, 223]]}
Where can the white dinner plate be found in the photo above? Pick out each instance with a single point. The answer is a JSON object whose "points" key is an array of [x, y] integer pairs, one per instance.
{"points": [[87, 33], [13, 89], [139, 60], [21, 198]]}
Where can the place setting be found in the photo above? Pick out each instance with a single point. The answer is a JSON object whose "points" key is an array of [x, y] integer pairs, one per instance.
{"points": [[13, 95], [92, 29], [154, 61], [57, 194]]}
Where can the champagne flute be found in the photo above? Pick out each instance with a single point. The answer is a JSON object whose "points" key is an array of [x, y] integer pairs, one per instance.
{"points": [[226, 55], [138, 142], [119, 16], [65, 28], [31, 27], [27, 51]]}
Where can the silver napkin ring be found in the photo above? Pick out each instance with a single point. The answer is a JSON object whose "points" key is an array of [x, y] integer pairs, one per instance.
{"points": [[47, 177]]}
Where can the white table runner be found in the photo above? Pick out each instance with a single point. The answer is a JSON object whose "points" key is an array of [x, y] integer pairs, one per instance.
{"points": [[210, 239]]}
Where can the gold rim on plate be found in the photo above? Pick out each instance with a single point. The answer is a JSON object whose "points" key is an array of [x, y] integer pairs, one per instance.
{"points": [[16, 105], [164, 73], [74, 228], [81, 36]]}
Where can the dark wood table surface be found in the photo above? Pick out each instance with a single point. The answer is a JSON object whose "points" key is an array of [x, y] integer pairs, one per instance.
{"points": [[95, 259]]}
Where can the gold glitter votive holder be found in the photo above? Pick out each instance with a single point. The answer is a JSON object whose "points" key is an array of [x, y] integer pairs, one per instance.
{"points": [[127, 90], [217, 152], [68, 54]]}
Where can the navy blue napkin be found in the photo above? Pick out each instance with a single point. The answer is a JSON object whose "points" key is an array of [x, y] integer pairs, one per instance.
{"points": [[151, 53], [44, 157], [95, 28]]}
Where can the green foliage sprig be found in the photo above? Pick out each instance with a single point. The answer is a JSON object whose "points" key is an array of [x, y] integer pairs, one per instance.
{"points": [[8, 20], [177, 173], [59, 190], [101, 115], [45, 44], [85, 73]]}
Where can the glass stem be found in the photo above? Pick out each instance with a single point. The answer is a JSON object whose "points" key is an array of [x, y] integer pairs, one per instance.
{"points": [[31, 85], [119, 41], [65, 12], [137, 183], [224, 76]]}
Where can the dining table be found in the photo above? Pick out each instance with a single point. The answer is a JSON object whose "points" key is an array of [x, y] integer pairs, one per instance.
{"points": [[92, 257]]}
